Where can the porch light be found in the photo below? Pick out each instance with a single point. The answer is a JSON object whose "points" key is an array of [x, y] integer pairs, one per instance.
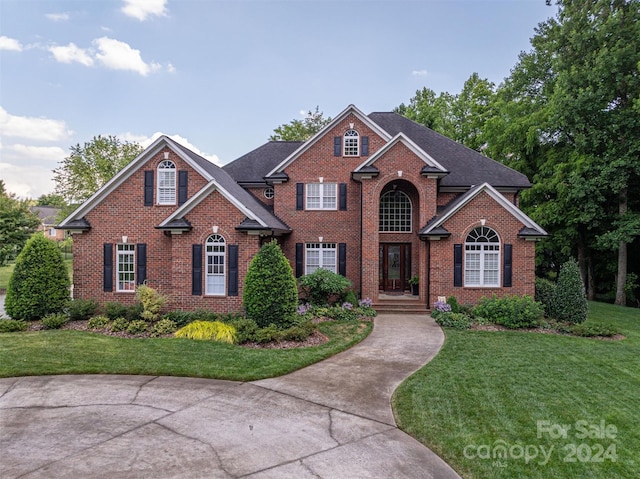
{"points": [[124, 239], [321, 179], [483, 221], [400, 173], [320, 238], [215, 229]]}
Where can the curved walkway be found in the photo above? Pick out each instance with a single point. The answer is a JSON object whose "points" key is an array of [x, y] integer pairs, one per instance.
{"points": [[330, 420]]}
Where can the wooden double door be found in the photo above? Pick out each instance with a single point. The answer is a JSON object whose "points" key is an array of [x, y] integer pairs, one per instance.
{"points": [[395, 267]]}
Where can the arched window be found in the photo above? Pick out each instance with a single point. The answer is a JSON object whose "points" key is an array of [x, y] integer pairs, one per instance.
{"points": [[215, 275], [167, 183], [482, 258], [351, 143], [395, 212]]}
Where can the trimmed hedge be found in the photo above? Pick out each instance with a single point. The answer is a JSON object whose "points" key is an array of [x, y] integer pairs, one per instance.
{"points": [[570, 299]]}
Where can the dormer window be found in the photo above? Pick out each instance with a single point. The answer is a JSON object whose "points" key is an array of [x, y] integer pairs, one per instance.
{"points": [[167, 183], [351, 143]]}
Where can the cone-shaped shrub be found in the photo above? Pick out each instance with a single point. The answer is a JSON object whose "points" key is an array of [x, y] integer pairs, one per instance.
{"points": [[270, 290], [39, 284], [570, 299]]}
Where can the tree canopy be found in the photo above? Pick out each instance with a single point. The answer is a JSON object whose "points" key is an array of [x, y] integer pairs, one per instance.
{"points": [[91, 165], [17, 224], [301, 130]]}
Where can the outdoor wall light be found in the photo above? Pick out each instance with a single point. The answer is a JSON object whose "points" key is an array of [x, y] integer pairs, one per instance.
{"points": [[215, 229], [483, 221], [166, 155], [321, 179], [320, 238], [124, 239], [400, 173]]}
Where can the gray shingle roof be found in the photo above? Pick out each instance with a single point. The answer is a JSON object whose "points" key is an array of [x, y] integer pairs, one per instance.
{"points": [[252, 167], [467, 167]]}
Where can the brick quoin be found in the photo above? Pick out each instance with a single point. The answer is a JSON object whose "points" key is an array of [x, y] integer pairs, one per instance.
{"points": [[169, 256]]}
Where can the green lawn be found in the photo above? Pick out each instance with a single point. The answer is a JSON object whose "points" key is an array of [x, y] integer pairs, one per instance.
{"points": [[514, 389], [76, 352]]}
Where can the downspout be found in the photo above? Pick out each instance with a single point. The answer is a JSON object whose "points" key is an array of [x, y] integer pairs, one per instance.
{"points": [[361, 244], [428, 274]]}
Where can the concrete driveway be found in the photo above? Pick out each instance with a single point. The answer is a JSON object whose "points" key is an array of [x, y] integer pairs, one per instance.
{"points": [[330, 420]]}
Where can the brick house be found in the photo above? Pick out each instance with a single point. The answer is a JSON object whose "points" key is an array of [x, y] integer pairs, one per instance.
{"points": [[377, 198]]}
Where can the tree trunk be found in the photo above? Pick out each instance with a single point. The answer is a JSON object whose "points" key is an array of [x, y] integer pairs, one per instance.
{"points": [[621, 279], [583, 261], [591, 285]]}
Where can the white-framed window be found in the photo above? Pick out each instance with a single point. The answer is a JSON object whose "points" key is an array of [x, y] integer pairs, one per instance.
{"points": [[126, 267], [320, 255], [322, 196], [482, 258], [215, 283], [395, 212], [52, 232], [351, 143], [167, 183], [268, 193]]}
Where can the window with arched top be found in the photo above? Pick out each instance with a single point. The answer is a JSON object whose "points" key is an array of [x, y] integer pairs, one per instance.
{"points": [[395, 212], [167, 183], [482, 258], [215, 283], [351, 143]]}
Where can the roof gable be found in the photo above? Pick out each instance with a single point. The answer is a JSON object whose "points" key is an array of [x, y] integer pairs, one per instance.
{"points": [[350, 110], [532, 229]]}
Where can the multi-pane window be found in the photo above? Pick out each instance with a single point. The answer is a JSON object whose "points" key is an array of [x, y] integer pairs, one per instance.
{"points": [[482, 258], [351, 143], [125, 267], [167, 183], [268, 193], [322, 196], [320, 255], [215, 275], [395, 212]]}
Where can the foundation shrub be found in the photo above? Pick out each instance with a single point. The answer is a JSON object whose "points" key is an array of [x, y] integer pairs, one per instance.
{"points": [[511, 311], [245, 328], [12, 325], [98, 322], [350, 297], [545, 294], [116, 310], [570, 299], [55, 320], [181, 318], [163, 327], [119, 324], [137, 326], [82, 309], [322, 285], [151, 301], [453, 302], [454, 320], [299, 332]]}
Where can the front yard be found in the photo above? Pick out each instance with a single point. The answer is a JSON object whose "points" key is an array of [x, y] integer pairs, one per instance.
{"points": [[507, 404]]}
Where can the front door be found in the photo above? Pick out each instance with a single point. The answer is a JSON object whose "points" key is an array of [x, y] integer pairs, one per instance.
{"points": [[395, 266]]}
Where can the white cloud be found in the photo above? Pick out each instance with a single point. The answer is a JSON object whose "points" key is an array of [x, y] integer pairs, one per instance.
{"points": [[419, 73], [40, 153], [43, 129], [145, 141], [171, 68], [141, 9], [58, 17], [118, 55], [7, 43], [27, 181], [71, 53]]}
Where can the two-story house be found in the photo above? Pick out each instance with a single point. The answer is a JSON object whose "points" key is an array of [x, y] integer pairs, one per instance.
{"points": [[377, 198]]}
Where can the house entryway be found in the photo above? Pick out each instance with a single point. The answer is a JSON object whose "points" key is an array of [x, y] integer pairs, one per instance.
{"points": [[395, 268]]}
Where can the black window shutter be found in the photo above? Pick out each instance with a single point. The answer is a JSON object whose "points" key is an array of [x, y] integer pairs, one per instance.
{"points": [[183, 181], [457, 265], [342, 259], [299, 196], [107, 267], [141, 263], [508, 268], [343, 196], [233, 270], [196, 269], [299, 259], [148, 188], [337, 146], [364, 150]]}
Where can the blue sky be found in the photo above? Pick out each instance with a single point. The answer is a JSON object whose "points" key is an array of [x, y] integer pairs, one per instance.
{"points": [[219, 76]]}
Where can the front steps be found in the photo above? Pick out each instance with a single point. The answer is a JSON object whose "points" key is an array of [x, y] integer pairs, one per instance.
{"points": [[400, 305]]}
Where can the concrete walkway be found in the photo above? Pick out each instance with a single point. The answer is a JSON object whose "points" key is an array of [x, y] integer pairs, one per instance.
{"points": [[329, 420]]}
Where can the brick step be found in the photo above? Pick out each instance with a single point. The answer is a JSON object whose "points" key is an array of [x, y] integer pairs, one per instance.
{"points": [[400, 307]]}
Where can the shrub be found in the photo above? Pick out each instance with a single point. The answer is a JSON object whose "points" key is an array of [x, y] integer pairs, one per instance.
{"points": [[322, 285], [162, 327], [119, 324], [82, 309], [118, 310], [151, 301], [245, 329], [591, 329], [12, 325], [180, 318], [453, 303], [98, 322], [54, 320], [350, 297], [570, 299], [270, 291], [510, 311], [39, 284], [268, 334], [340, 313], [208, 331], [137, 326], [545, 293], [299, 332], [454, 320]]}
